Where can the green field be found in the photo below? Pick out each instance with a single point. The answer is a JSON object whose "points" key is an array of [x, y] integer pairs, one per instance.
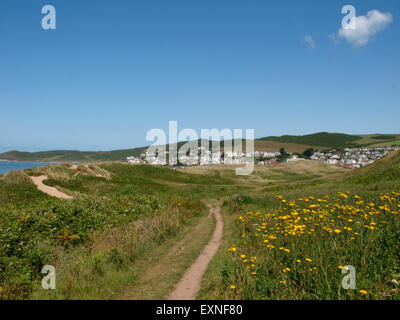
{"points": [[373, 140], [339, 140], [325, 139]]}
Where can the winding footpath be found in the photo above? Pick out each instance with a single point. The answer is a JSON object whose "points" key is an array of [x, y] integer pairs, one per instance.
{"points": [[51, 191], [188, 287]]}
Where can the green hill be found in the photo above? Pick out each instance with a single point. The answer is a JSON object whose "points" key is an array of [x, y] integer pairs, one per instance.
{"points": [[325, 139], [378, 140], [338, 140], [385, 171], [75, 155], [71, 155]]}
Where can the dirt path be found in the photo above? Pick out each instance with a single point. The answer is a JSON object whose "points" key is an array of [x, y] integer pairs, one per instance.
{"points": [[188, 287], [51, 191], [157, 274]]}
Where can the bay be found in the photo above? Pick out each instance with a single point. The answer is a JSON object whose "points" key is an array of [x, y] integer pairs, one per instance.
{"points": [[7, 166]]}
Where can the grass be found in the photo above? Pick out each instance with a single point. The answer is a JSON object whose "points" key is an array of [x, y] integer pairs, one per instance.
{"points": [[129, 226], [121, 214], [372, 140], [381, 175], [274, 146], [386, 143], [16, 187], [383, 137], [35, 233], [290, 243], [325, 139], [161, 271], [278, 177], [120, 263], [38, 230]]}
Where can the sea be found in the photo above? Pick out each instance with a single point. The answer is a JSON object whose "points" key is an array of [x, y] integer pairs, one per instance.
{"points": [[7, 166]]}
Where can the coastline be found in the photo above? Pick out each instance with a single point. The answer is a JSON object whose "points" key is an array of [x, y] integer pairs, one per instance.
{"points": [[8, 166], [24, 161]]}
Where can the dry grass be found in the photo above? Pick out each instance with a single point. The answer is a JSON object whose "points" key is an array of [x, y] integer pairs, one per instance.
{"points": [[270, 175], [160, 271], [307, 166], [66, 171], [17, 177], [93, 170], [274, 146], [300, 167], [54, 171]]}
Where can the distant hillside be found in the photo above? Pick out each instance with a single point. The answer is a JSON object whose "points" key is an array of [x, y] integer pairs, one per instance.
{"points": [[272, 146], [74, 155], [338, 140], [383, 171], [71, 155], [378, 140], [318, 141], [325, 139]]}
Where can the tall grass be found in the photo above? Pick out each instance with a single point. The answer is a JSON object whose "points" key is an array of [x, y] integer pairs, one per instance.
{"points": [[105, 266], [112, 221]]}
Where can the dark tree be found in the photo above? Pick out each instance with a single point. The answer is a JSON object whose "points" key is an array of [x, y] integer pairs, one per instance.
{"points": [[284, 155], [308, 153]]}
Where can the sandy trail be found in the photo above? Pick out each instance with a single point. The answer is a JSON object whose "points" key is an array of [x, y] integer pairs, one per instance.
{"points": [[188, 287], [51, 191]]}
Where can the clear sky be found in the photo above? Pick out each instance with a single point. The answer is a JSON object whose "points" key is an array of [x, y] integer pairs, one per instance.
{"points": [[112, 70]]}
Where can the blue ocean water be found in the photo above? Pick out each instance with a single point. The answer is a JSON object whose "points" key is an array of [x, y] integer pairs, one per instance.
{"points": [[6, 166]]}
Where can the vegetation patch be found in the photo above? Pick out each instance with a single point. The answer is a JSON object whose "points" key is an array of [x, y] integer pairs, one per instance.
{"points": [[325, 139], [383, 137]]}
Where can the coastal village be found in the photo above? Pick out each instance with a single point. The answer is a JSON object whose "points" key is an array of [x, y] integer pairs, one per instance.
{"points": [[350, 158], [353, 158]]}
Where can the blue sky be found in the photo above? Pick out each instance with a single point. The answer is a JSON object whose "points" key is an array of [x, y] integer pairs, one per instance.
{"points": [[112, 70]]}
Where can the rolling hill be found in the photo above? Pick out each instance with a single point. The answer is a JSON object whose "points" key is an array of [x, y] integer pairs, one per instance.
{"points": [[338, 140], [325, 139], [71, 155]]}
